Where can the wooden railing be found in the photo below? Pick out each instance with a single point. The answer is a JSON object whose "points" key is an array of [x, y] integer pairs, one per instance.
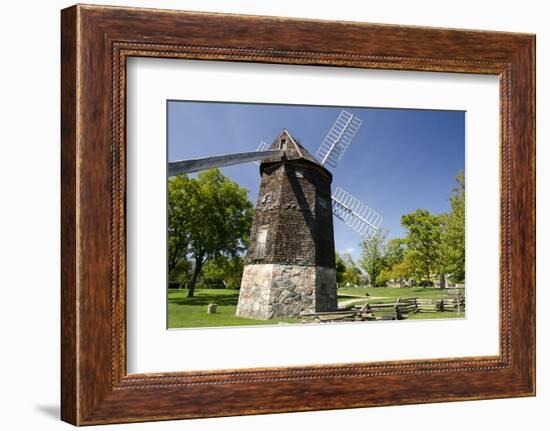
{"points": [[421, 305], [394, 310]]}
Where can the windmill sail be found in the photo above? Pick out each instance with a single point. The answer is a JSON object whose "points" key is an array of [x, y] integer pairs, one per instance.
{"points": [[262, 147], [338, 139], [359, 216], [194, 165]]}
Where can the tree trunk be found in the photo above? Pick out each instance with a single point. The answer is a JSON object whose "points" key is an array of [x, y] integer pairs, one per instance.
{"points": [[173, 260], [194, 277], [427, 275], [442, 281], [171, 266]]}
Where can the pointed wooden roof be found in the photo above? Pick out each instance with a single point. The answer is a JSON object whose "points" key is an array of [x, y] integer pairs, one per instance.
{"points": [[293, 151]]}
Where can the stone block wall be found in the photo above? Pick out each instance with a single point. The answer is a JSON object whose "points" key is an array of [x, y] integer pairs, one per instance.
{"points": [[271, 291]]}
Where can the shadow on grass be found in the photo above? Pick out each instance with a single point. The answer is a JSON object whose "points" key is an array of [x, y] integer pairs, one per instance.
{"points": [[221, 299]]}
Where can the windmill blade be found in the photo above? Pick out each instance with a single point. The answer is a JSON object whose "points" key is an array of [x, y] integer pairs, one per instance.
{"points": [[359, 216], [338, 139], [262, 147], [194, 165]]}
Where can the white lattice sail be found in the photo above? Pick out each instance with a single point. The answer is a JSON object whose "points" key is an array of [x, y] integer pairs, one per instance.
{"points": [[338, 139], [262, 147], [356, 214]]}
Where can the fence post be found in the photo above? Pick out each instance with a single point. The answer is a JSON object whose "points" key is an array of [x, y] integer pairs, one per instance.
{"points": [[397, 310]]}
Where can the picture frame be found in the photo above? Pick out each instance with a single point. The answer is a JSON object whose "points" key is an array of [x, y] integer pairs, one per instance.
{"points": [[96, 42]]}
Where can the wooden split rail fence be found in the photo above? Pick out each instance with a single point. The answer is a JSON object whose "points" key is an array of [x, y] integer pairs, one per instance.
{"points": [[395, 310], [350, 314]]}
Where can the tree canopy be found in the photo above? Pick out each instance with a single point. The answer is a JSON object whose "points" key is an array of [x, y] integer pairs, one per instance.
{"points": [[223, 270], [434, 244], [352, 273], [181, 192], [208, 217], [424, 237], [340, 269], [372, 255], [454, 234]]}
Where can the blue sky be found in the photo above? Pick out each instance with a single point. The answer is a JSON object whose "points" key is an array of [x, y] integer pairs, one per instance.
{"points": [[399, 161]]}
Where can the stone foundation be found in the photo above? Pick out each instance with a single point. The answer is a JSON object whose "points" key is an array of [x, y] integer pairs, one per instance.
{"points": [[273, 291]]}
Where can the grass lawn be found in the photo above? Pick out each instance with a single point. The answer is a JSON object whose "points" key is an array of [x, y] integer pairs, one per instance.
{"points": [[446, 315], [389, 293], [184, 312]]}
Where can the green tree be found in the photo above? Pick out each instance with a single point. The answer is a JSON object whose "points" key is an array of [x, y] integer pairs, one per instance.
{"points": [[181, 273], [224, 270], [384, 277], [340, 269], [424, 239], [217, 218], [411, 267], [182, 191], [372, 255], [352, 274], [454, 232], [394, 252]]}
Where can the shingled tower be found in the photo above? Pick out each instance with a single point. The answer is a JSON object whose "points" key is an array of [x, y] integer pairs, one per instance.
{"points": [[290, 263]]}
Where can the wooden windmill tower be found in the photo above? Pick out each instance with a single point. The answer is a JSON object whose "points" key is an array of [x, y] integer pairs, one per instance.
{"points": [[290, 262], [290, 259]]}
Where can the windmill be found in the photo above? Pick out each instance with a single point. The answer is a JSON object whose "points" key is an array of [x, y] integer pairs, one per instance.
{"points": [[290, 262]]}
